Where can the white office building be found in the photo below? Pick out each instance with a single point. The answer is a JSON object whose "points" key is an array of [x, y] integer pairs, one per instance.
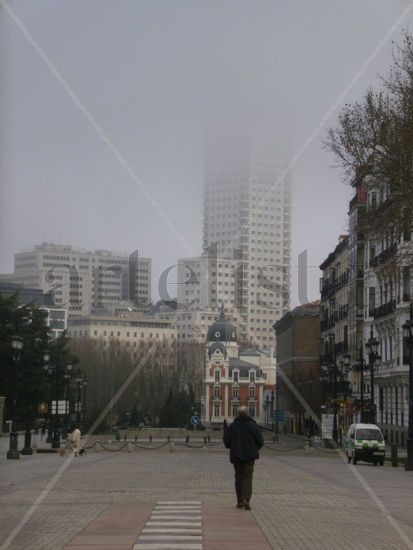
{"points": [[84, 281]]}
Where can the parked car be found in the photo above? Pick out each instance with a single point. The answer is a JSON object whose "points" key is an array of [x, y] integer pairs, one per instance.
{"points": [[365, 442]]}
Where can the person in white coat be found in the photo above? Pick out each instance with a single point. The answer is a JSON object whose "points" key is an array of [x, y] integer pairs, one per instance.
{"points": [[76, 435]]}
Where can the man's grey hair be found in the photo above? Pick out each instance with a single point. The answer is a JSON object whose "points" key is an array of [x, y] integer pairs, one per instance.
{"points": [[243, 410]]}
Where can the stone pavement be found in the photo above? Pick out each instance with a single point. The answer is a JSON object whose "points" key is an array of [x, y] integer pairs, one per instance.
{"points": [[299, 501]]}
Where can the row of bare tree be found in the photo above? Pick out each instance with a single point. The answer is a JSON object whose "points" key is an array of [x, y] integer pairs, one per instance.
{"points": [[153, 371]]}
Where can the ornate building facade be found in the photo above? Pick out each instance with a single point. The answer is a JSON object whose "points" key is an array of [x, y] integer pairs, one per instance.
{"points": [[234, 378]]}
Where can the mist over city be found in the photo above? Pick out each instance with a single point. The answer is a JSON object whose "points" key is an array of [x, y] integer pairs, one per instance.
{"points": [[205, 272]]}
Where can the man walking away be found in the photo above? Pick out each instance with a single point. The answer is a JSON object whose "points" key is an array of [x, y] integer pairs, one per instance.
{"points": [[244, 439]]}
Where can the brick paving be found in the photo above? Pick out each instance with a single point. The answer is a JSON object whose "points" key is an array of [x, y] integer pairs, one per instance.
{"points": [[299, 501]]}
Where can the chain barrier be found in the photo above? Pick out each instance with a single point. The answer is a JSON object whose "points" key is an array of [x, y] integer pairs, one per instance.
{"points": [[149, 446]]}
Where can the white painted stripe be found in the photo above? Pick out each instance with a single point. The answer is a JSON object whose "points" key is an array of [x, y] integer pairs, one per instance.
{"points": [[175, 512], [175, 509], [177, 506], [174, 523], [178, 502], [167, 546], [179, 518], [173, 538], [172, 530]]}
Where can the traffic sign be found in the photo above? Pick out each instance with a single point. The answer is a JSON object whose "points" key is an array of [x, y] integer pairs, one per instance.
{"points": [[194, 420]]}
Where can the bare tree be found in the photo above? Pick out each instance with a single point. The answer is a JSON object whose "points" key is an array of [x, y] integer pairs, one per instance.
{"points": [[373, 140]]}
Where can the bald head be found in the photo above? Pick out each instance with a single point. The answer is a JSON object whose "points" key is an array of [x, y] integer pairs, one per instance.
{"points": [[243, 411]]}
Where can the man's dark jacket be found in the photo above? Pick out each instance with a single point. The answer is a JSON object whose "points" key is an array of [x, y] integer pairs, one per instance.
{"points": [[243, 438]]}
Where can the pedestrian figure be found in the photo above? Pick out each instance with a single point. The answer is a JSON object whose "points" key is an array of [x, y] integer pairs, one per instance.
{"points": [[225, 424], [76, 435], [244, 439]]}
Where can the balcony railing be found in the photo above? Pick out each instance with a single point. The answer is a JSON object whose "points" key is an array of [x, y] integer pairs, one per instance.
{"points": [[383, 256], [383, 310]]}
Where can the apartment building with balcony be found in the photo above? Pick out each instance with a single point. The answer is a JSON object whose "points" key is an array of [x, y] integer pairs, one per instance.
{"points": [[388, 293]]}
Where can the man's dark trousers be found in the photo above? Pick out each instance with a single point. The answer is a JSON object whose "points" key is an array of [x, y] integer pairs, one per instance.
{"points": [[243, 480]]}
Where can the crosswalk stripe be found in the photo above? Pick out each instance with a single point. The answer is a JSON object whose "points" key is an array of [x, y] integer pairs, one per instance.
{"points": [[174, 523], [171, 530], [170, 509], [164, 516], [178, 502], [155, 538], [167, 546]]}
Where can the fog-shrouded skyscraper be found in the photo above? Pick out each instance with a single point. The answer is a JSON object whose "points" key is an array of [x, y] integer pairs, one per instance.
{"points": [[247, 219]]}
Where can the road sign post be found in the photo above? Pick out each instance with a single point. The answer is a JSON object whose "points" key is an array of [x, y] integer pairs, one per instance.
{"points": [[194, 421]]}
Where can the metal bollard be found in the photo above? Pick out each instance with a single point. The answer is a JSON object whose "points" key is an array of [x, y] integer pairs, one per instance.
{"points": [[209, 439], [136, 439], [168, 438], [187, 439], [124, 438], [171, 447], [394, 457], [205, 440], [150, 438]]}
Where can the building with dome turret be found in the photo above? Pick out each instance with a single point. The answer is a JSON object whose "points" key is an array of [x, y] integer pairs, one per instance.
{"points": [[234, 378]]}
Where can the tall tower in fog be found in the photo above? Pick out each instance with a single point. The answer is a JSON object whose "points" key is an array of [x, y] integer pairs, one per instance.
{"points": [[247, 216]]}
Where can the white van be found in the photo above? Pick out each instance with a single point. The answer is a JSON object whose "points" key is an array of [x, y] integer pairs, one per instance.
{"points": [[365, 442]]}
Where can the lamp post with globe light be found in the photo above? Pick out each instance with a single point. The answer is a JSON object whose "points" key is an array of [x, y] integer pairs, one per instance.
{"points": [[372, 346], [17, 346], [57, 370]]}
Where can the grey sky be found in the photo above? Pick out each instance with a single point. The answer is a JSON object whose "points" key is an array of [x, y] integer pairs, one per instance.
{"points": [[152, 73]]}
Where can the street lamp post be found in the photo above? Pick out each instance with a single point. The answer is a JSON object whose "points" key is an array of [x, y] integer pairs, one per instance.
{"points": [[79, 381], [84, 403], [359, 367], [13, 452], [372, 346], [55, 370], [408, 335], [274, 420], [334, 366], [267, 409]]}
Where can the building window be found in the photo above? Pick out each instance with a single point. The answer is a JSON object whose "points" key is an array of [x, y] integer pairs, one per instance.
{"points": [[251, 410], [235, 376], [252, 377], [252, 393], [235, 393], [217, 410], [217, 392], [217, 375]]}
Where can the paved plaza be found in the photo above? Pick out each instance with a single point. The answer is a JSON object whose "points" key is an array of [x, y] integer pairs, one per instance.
{"points": [[139, 499]]}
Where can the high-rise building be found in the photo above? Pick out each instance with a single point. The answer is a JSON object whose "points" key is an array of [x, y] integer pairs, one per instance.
{"points": [[247, 217], [84, 281]]}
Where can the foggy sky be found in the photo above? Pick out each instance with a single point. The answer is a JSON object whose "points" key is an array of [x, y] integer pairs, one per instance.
{"points": [[153, 74]]}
